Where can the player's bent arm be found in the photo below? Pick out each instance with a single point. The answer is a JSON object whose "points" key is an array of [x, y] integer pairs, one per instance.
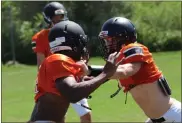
{"points": [[40, 58], [74, 91], [126, 70]]}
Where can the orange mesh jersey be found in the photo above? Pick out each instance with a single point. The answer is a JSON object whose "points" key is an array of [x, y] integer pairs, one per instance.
{"points": [[53, 67], [148, 72], [41, 43]]}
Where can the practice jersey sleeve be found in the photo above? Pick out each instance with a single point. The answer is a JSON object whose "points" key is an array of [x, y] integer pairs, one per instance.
{"points": [[135, 53], [37, 44], [63, 68], [40, 42]]}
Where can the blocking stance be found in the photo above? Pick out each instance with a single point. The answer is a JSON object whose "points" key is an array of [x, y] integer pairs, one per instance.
{"points": [[138, 73], [59, 74], [53, 13]]}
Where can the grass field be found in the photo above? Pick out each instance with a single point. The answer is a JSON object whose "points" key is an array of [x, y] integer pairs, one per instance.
{"points": [[18, 92]]}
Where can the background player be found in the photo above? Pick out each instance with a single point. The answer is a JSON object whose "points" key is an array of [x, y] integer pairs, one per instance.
{"points": [[138, 73], [59, 74], [53, 13]]}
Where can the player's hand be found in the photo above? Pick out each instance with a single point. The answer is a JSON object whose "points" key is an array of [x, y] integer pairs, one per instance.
{"points": [[111, 64], [86, 56], [84, 68]]}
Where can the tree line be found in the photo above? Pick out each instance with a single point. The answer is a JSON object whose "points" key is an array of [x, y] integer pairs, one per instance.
{"points": [[158, 24]]}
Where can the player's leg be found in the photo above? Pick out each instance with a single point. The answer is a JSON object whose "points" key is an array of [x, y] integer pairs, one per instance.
{"points": [[148, 121], [84, 113], [172, 115], [86, 118], [44, 122], [64, 118], [50, 107]]}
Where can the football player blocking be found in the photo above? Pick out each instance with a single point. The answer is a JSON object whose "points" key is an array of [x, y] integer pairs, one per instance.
{"points": [[59, 74], [138, 73], [53, 13]]}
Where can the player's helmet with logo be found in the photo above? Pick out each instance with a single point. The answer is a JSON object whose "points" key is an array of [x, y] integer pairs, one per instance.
{"points": [[114, 33], [68, 35], [52, 9]]}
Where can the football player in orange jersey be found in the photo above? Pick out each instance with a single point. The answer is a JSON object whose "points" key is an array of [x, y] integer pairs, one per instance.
{"points": [[59, 74], [53, 13], [138, 73]]}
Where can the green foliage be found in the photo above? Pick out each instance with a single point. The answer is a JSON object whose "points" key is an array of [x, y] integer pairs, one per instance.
{"points": [[91, 16], [9, 12], [158, 23], [26, 30]]}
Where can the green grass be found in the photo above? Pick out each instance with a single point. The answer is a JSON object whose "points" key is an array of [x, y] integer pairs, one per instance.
{"points": [[18, 92]]}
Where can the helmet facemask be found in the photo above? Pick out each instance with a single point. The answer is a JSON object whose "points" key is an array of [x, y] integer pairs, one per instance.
{"points": [[84, 51], [82, 48], [62, 13], [110, 45]]}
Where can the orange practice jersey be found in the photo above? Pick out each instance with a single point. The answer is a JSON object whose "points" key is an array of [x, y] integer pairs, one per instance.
{"points": [[148, 72], [41, 42], [53, 67]]}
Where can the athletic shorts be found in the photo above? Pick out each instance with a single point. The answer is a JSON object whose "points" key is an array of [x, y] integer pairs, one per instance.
{"points": [[173, 115], [79, 109]]}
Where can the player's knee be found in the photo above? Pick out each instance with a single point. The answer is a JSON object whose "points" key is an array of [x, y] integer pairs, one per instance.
{"points": [[148, 121], [86, 118], [45, 121]]}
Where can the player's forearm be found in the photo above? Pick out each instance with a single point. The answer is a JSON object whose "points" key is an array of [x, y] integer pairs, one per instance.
{"points": [[38, 64], [40, 58], [123, 71], [85, 88], [126, 70], [81, 90], [120, 74]]}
